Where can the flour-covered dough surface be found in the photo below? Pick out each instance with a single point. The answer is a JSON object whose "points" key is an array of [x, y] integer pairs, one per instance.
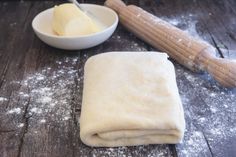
{"points": [[130, 98]]}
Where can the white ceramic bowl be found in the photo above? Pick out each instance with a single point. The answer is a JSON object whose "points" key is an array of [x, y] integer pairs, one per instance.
{"points": [[43, 29]]}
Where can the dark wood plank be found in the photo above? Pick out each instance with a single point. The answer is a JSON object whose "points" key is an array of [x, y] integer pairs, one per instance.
{"points": [[49, 76], [209, 108], [41, 87], [214, 21], [11, 70], [21, 113]]}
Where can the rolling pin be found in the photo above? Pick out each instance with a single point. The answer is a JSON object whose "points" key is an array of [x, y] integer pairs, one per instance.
{"points": [[195, 54]]}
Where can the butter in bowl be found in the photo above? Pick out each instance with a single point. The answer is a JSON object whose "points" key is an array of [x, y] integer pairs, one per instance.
{"points": [[67, 27]]}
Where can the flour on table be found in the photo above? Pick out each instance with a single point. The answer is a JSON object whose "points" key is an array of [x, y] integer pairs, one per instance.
{"points": [[188, 24], [210, 119], [48, 92], [149, 151], [50, 97], [21, 125], [14, 111], [3, 99], [228, 53], [42, 121]]}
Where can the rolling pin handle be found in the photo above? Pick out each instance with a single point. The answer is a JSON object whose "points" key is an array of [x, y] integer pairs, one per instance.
{"points": [[116, 5], [222, 70]]}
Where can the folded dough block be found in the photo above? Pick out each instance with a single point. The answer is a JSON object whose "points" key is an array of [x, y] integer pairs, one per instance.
{"points": [[130, 98]]}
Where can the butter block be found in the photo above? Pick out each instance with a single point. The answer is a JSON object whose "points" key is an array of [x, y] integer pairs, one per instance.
{"points": [[69, 20]]}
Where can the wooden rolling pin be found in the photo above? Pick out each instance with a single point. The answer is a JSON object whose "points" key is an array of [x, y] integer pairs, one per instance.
{"points": [[193, 53]]}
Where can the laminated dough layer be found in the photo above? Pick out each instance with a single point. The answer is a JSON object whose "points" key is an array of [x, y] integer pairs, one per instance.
{"points": [[130, 98]]}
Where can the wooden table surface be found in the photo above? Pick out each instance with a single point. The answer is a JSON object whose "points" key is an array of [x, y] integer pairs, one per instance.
{"points": [[41, 87]]}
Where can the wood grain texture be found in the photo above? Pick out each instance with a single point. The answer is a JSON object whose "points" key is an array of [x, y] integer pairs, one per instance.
{"points": [[193, 53], [37, 124]]}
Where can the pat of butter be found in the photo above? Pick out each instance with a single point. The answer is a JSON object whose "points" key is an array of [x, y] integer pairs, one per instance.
{"points": [[68, 20]]}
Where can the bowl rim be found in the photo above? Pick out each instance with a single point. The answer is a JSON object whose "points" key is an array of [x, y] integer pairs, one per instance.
{"points": [[75, 37]]}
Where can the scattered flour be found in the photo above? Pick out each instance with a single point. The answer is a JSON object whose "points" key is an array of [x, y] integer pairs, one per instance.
{"points": [[14, 111], [127, 44], [174, 21], [194, 145], [209, 119], [3, 99], [228, 53], [21, 125], [188, 24], [36, 110], [50, 97], [148, 151], [48, 93], [66, 118], [42, 121], [209, 113]]}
